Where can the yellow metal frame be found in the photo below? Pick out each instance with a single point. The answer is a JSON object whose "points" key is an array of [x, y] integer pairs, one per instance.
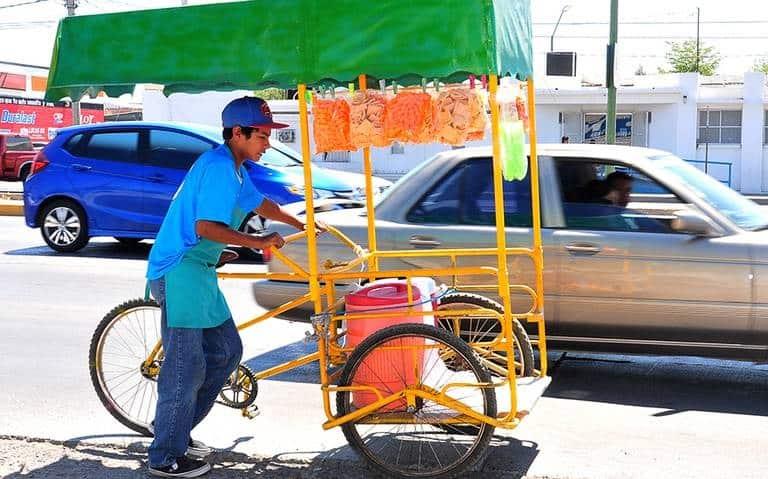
{"points": [[322, 285]]}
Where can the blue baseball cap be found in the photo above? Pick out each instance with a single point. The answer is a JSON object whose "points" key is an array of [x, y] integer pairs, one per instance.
{"points": [[248, 111]]}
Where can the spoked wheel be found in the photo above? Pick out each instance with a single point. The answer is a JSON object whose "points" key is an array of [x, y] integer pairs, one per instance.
{"points": [[425, 438], [483, 329], [120, 344]]}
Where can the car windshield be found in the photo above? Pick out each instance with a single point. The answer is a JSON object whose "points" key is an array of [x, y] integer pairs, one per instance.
{"points": [[743, 212]]}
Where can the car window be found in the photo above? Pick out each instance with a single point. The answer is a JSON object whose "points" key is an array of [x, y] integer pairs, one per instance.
{"points": [[113, 146], [598, 195], [441, 204], [170, 149], [72, 144], [465, 196], [19, 143]]}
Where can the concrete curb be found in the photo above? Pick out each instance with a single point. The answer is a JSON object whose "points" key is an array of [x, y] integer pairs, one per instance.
{"points": [[11, 208]]}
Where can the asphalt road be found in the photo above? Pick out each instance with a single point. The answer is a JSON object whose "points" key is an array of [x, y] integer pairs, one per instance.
{"points": [[603, 417]]}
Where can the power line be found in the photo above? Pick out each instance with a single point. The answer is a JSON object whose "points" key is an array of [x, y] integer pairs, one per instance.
{"points": [[30, 2]]}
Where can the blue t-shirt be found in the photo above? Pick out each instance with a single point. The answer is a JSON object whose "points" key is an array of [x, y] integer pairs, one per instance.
{"points": [[213, 190]]}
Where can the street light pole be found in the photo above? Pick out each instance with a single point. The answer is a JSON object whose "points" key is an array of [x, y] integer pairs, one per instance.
{"points": [[71, 6], [610, 120], [698, 15], [552, 37]]}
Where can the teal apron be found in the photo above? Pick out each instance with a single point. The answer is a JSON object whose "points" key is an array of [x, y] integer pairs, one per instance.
{"points": [[192, 295]]}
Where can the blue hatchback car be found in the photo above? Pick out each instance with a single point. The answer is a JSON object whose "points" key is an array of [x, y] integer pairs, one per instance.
{"points": [[117, 179]]}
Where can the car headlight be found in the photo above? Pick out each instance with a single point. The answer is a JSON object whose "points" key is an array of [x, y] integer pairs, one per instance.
{"points": [[316, 192]]}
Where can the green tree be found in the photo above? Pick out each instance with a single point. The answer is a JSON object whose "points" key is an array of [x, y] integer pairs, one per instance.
{"points": [[682, 58], [271, 94], [761, 65]]}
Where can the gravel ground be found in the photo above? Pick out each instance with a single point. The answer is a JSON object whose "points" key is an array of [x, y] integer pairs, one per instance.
{"points": [[42, 459], [39, 459]]}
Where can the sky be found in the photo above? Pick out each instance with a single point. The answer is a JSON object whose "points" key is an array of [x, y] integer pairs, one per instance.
{"points": [[737, 28]]}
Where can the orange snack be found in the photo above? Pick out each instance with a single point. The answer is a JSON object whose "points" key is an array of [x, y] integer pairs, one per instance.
{"points": [[367, 119], [452, 116], [330, 122], [408, 118], [479, 120]]}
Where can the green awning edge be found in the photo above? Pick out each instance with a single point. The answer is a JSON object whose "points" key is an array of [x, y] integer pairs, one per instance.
{"points": [[207, 47]]}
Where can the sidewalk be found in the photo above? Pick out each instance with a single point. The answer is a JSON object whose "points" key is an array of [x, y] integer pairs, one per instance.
{"points": [[11, 204]]}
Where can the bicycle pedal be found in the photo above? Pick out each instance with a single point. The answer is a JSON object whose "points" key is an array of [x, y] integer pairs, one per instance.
{"points": [[251, 411]]}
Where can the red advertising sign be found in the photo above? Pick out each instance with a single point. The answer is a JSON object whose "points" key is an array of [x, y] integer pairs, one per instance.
{"points": [[40, 120]]}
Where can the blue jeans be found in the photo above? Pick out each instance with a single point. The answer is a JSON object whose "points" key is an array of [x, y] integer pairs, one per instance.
{"points": [[197, 363]]}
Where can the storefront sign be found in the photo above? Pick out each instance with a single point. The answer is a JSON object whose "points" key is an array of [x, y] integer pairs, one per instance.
{"points": [[40, 119]]}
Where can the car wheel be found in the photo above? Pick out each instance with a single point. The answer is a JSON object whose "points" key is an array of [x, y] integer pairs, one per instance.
{"points": [[64, 226], [129, 241], [253, 224], [24, 172]]}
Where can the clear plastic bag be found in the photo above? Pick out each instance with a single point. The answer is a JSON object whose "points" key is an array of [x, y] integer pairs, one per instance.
{"points": [[459, 116], [367, 112], [408, 118], [330, 125]]}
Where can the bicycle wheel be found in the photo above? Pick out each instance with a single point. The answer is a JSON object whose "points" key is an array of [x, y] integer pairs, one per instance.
{"points": [[422, 440], [477, 328], [122, 341]]}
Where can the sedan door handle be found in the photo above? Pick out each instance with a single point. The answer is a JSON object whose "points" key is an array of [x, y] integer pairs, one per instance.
{"points": [[582, 248], [79, 167], [424, 241], [157, 178]]}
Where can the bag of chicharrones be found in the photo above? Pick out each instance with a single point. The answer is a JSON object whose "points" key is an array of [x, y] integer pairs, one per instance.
{"points": [[479, 116], [367, 119], [459, 116], [408, 118], [330, 124]]}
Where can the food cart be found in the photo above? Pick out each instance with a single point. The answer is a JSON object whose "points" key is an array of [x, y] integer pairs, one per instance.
{"points": [[418, 392]]}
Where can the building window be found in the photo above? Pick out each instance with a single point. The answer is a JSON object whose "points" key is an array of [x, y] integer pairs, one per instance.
{"points": [[720, 126], [765, 127]]}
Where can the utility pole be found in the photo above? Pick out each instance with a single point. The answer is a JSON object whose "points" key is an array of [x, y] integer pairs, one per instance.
{"points": [[698, 15], [610, 120], [71, 6]]}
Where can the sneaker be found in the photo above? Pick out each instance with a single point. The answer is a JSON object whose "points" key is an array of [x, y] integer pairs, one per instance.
{"points": [[183, 467], [195, 448]]}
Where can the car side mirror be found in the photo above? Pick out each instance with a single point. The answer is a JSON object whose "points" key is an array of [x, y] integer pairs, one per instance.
{"points": [[693, 223]]}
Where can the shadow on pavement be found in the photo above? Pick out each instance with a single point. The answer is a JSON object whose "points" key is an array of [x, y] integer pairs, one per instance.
{"points": [[677, 384], [507, 457]]}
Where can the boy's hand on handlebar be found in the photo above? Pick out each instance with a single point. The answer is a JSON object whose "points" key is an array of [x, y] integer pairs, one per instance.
{"points": [[272, 239], [320, 227]]}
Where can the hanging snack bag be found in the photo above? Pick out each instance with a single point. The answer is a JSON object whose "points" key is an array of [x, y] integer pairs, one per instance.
{"points": [[511, 135], [479, 117], [367, 119], [452, 116], [459, 116], [330, 125], [408, 118]]}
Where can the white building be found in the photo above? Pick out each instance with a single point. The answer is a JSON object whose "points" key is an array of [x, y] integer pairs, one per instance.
{"points": [[721, 125]]}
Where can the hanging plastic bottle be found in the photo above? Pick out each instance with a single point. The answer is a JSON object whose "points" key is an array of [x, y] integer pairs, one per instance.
{"points": [[511, 134]]}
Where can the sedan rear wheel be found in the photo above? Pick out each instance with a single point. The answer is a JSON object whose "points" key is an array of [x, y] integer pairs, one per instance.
{"points": [[64, 227]]}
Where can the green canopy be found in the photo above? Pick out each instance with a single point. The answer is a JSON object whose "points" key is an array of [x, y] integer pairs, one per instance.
{"points": [[261, 43]]}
